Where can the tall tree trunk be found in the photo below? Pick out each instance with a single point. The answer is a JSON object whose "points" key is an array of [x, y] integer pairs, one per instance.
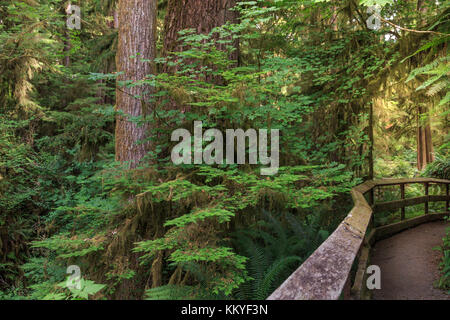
{"points": [[67, 43], [425, 152], [137, 37], [424, 141], [371, 141], [422, 21], [109, 64], [201, 15]]}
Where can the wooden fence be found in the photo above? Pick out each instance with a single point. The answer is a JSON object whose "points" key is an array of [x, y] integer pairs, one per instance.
{"points": [[325, 274]]}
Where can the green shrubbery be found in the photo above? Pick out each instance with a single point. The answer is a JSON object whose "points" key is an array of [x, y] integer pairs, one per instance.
{"points": [[440, 168], [444, 281], [165, 231]]}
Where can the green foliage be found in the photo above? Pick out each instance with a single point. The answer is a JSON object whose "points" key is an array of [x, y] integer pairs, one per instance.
{"points": [[440, 168], [274, 250], [308, 68], [224, 195], [444, 280], [438, 80], [87, 288], [171, 292], [400, 166]]}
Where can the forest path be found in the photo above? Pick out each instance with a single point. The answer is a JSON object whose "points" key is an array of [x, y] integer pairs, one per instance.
{"points": [[409, 265]]}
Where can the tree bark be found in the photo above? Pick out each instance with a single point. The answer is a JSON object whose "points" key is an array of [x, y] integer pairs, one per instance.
{"points": [[201, 15], [422, 13], [425, 152], [67, 43], [371, 141], [137, 37]]}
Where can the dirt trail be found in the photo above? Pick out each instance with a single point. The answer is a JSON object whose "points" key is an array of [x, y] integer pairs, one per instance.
{"points": [[409, 266]]}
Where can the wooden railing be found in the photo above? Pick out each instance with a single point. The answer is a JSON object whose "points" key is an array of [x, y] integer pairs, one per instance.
{"points": [[326, 272]]}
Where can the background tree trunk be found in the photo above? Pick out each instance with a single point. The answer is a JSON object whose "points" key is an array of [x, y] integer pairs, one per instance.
{"points": [[201, 15], [371, 141], [424, 141], [67, 43], [137, 36]]}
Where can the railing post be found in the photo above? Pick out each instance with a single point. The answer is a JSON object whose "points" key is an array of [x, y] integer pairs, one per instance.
{"points": [[372, 196], [447, 206], [402, 189], [426, 194], [372, 204]]}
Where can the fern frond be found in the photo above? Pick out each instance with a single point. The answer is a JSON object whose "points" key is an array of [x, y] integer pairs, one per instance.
{"points": [[438, 87], [274, 275], [170, 292]]}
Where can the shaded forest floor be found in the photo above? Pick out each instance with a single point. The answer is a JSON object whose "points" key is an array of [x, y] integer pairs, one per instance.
{"points": [[409, 265]]}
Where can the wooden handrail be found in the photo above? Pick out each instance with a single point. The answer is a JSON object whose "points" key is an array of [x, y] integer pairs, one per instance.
{"points": [[401, 204], [325, 273]]}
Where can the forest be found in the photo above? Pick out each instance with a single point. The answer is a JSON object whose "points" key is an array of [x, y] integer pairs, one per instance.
{"points": [[204, 149]]}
